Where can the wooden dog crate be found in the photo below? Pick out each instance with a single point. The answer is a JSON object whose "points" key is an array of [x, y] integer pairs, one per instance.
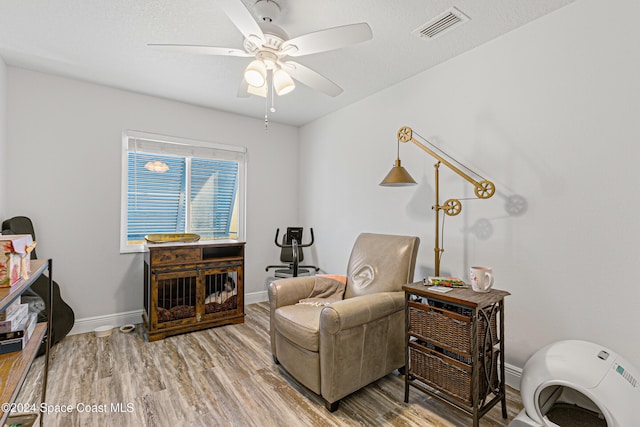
{"points": [[192, 286]]}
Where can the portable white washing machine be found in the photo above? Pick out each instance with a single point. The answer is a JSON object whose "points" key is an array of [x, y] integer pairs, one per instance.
{"points": [[578, 383]]}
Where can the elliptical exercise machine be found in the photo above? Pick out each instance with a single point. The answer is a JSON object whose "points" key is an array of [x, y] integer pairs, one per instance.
{"points": [[291, 253]]}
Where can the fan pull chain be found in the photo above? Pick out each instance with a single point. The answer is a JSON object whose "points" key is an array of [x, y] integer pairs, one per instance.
{"points": [[269, 84], [266, 113], [273, 101]]}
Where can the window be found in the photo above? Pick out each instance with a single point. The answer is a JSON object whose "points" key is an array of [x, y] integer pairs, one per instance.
{"points": [[173, 185]]}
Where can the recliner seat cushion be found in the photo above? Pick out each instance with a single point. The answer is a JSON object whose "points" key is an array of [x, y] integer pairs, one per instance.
{"points": [[300, 324]]}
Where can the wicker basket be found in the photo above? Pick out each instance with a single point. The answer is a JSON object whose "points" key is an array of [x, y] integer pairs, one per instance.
{"points": [[446, 328], [447, 374]]}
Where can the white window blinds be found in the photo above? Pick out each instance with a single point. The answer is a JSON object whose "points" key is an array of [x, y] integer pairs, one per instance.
{"points": [[178, 186]]}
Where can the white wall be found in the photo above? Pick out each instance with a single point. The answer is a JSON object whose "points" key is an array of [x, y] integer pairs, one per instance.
{"points": [[549, 113], [3, 138], [64, 142]]}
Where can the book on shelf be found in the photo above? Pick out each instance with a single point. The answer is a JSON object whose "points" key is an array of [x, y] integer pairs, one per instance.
{"points": [[441, 289], [20, 329], [10, 309], [450, 282], [10, 345], [13, 320]]}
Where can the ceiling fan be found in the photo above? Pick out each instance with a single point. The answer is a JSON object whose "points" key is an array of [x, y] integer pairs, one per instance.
{"points": [[270, 46]]}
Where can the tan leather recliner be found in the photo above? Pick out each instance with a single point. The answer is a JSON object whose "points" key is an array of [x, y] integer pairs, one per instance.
{"points": [[339, 348]]}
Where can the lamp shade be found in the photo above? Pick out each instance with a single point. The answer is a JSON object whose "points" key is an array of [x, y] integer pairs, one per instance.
{"points": [[256, 73], [397, 177], [260, 91], [282, 82]]}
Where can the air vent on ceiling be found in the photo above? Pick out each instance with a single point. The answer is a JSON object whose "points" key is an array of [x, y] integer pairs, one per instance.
{"points": [[440, 24]]}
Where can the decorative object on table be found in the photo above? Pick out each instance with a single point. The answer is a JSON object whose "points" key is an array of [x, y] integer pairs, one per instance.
{"points": [[481, 278], [399, 177], [172, 237], [15, 254], [451, 282], [441, 289]]}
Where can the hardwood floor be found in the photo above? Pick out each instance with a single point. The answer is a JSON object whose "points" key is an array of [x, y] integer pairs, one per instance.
{"points": [[223, 376]]}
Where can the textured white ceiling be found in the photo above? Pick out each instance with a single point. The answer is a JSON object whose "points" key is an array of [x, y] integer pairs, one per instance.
{"points": [[105, 41]]}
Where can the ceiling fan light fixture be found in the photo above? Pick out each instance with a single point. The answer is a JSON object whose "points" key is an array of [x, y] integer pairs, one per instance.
{"points": [[256, 73], [268, 58], [282, 82], [156, 166], [260, 91]]}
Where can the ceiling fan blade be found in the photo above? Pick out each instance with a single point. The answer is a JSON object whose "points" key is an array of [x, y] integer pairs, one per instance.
{"points": [[329, 39], [311, 78], [242, 18], [200, 49]]}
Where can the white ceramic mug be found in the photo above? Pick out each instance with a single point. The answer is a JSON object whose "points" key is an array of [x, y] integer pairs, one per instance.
{"points": [[481, 278]]}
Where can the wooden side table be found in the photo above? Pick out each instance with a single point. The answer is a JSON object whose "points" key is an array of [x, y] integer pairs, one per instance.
{"points": [[455, 347]]}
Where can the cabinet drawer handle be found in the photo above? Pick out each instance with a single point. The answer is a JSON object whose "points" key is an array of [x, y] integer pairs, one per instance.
{"points": [[217, 267]]}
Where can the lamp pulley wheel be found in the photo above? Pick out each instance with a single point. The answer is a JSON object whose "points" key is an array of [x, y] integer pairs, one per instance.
{"points": [[452, 207], [485, 189], [405, 134]]}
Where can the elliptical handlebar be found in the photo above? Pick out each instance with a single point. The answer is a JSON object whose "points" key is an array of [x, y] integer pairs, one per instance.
{"points": [[299, 244], [276, 241], [312, 239]]}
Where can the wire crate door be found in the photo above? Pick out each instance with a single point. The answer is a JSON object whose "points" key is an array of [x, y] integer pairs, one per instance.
{"points": [[176, 298], [222, 290]]}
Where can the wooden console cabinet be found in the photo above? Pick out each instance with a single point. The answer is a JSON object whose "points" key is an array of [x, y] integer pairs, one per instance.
{"points": [[192, 286], [455, 347]]}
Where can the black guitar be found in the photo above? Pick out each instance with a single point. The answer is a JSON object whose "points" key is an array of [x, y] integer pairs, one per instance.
{"points": [[62, 317]]}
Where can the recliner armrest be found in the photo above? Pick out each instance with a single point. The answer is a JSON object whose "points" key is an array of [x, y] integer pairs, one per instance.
{"points": [[289, 291], [360, 310], [285, 292]]}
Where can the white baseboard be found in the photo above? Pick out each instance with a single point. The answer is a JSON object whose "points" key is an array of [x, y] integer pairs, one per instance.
{"points": [[512, 375], [88, 324], [255, 297]]}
